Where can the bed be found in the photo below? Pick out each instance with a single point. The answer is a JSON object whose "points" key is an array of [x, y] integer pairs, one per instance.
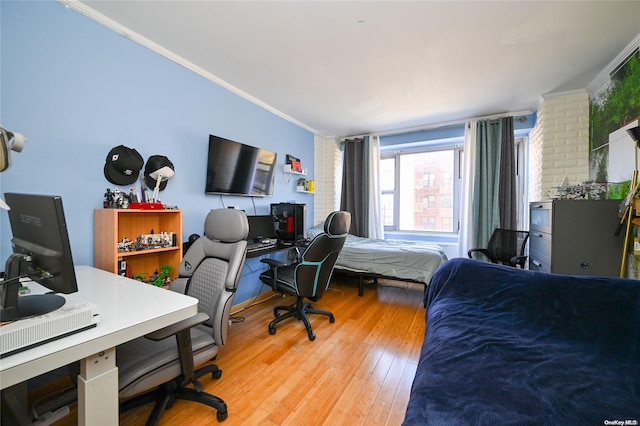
{"points": [[507, 346], [412, 261]]}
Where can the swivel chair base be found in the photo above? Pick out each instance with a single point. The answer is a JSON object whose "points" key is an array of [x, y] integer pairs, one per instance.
{"points": [[165, 396], [299, 311]]}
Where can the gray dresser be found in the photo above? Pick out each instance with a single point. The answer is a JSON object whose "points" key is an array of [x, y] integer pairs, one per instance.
{"points": [[575, 237]]}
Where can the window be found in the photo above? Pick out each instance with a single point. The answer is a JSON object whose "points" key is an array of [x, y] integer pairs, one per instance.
{"points": [[429, 202], [419, 192], [387, 186], [429, 179], [446, 201]]}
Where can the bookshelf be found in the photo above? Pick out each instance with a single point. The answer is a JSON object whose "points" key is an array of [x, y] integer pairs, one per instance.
{"points": [[112, 226]]}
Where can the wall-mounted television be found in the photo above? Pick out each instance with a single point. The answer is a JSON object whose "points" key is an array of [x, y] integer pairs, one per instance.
{"points": [[234, 168]]}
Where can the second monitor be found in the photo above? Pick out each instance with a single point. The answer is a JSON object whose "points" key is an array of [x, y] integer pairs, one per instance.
{"points": [[260, 228]]}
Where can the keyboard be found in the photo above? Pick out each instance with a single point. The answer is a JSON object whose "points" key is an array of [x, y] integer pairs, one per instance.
{"points": [[256, 247]]}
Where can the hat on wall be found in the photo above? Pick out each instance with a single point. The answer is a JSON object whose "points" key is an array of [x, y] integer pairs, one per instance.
{"points": [[123, 165], [158, 167]]}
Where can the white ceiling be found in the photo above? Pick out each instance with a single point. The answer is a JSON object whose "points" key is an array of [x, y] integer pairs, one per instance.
{"points": [[343, 68]]}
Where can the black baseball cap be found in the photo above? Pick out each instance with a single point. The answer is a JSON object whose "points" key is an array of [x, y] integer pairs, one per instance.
{"points": [[123, 165], [154, 164]]}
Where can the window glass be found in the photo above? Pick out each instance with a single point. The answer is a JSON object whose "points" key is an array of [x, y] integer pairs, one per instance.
{"points": [[433, 171], [387, 174], [418, 190], [387, 209]]}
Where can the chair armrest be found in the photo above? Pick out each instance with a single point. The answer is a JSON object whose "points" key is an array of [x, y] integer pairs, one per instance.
{"points": [[179, 285], [273, 263], [173, 329], [477, 250], [273, 268], [518, 260]]}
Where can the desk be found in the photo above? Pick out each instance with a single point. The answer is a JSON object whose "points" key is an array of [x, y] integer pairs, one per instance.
{"points": [[277, 248], [128, 309]]}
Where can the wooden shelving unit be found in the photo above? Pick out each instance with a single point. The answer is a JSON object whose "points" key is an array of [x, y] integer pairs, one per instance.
{"points": [[110, 226]]}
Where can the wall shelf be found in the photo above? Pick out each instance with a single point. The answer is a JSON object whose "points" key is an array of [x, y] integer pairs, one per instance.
{"points": [[288, 172], [287, 169]]}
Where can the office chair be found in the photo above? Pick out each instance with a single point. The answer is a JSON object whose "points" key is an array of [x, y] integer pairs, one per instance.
{"points": [[156, 368], [310, 276], [506, 247]]}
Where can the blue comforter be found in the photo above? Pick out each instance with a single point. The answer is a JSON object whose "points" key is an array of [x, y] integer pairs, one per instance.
{"points": [[507, 346]]}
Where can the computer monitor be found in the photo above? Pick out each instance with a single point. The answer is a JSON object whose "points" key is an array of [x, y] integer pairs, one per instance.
{"points": [[41, 252], [260, 227]]}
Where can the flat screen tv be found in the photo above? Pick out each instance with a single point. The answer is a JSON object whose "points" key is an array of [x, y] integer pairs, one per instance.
{"points": [[234, 168]]}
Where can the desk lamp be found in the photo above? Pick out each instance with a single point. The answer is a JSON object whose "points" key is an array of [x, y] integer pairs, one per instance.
{"points": [[634, 132], [160, 175], [9, 141]]}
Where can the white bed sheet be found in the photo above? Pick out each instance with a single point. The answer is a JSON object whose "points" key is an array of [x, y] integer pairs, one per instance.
{"points": [[401, 259]]}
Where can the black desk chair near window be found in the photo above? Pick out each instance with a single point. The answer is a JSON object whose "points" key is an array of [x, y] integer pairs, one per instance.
{"points": [[505, 246], [310, 276], [157, 368]]}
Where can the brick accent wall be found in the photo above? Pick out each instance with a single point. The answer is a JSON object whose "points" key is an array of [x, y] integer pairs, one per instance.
{"points": [[327, 163], [559, 143]]}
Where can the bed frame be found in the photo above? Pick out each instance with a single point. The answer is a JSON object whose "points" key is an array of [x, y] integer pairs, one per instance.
{"points": [[361, 275]]}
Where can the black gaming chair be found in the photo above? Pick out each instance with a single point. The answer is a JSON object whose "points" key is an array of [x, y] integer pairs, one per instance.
{"points": [[310, 276], [156, 369], [506, 247]]}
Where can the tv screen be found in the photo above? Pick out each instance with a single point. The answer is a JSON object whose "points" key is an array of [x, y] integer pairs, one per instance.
{"points": [[234, 168]]}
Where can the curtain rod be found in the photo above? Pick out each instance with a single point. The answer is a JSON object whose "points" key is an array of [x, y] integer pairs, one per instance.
{"points": [[438, 125]]}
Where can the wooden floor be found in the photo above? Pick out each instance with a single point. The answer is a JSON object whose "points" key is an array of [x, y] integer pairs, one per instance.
{"points": [[358, 371]]}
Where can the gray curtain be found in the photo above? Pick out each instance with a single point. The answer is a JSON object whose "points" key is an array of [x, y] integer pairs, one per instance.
{"points": [[494, 203], [507, 190], [355, 182]]}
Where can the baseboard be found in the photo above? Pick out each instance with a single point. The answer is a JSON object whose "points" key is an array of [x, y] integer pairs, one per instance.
{"points": [[260, 298]]}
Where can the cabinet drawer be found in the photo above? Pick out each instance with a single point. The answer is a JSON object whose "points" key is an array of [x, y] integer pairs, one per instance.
{"points": [[540, 246], [540, 216], [539, 266]]}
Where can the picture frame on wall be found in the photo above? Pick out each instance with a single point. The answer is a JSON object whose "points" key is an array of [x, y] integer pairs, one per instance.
{"points": [[296, 165]]}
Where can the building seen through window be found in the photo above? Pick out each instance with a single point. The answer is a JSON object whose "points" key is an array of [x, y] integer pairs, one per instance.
{"points": [[418, 190]]}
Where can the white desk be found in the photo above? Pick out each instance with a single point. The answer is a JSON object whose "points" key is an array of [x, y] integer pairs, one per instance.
{"points": [[128, 309]]}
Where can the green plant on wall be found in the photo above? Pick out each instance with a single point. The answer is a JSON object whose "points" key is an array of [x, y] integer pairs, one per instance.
{"points": [[619, 190], [615, 106]]}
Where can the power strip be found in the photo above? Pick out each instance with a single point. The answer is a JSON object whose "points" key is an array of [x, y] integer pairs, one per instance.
{"points": [[28, 333]]}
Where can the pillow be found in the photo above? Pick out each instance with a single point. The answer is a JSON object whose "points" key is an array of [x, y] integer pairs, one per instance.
{"points": [[315, 231]]}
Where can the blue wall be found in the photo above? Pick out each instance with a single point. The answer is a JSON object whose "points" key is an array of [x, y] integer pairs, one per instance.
{"points": [[76, 89]]}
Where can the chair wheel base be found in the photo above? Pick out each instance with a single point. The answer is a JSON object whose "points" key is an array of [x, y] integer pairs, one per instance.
{"points": [[222, 415], [298, 311]]}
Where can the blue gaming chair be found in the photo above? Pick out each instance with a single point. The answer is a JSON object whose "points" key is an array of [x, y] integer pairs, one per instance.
{"points": [[310, 276]]}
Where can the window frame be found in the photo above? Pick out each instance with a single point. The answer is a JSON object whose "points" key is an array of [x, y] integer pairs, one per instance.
{"points": [[458, 152]]}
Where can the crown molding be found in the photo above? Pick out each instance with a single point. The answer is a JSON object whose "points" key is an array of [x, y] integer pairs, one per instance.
{"points": [[554, 95], [604, 77]]}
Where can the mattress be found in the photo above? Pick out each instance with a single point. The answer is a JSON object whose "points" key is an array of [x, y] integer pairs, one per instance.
{"points": [[400, 259]]}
